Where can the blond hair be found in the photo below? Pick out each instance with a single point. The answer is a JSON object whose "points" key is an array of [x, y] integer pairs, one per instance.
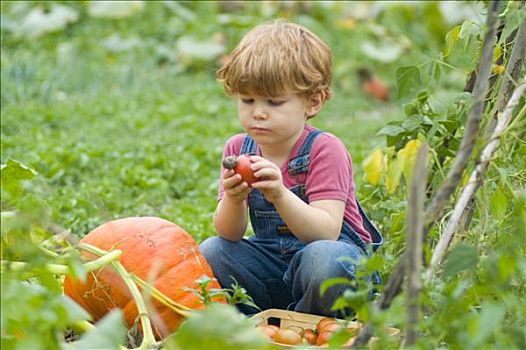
{"points": [[278, 58]]}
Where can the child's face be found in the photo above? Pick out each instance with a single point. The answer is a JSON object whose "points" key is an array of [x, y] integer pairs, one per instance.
{"points": [[273, 120]]}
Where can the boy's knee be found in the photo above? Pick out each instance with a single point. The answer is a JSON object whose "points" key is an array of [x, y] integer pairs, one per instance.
{"points": [[217, 248], [325, 259], [210, 247]]}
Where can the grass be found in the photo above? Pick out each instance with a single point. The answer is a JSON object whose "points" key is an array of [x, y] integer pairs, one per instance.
{"points": [[115, 134], [123, 140]]}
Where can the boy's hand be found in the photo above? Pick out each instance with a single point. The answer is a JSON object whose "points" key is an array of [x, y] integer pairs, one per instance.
{"points": [[270, 181], [234, 187]]}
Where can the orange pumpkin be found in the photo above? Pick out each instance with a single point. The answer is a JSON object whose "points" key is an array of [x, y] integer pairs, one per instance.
{"points": [[151, 248]]}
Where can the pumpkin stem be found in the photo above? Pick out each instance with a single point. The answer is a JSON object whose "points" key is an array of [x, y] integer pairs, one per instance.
{"points": [[161, 297], [148, 339], [59, 269]]}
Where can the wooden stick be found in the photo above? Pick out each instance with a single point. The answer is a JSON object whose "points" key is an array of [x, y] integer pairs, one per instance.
{"points": [[471, 132], [413, 256], [477, 174], [511, 75], [394, 283]]}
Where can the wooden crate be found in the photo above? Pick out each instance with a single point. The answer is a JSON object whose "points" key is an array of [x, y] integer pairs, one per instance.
{"points": [[298, 321]]}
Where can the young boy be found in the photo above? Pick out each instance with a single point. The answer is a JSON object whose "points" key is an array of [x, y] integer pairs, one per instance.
{"points": [[307, 224]]}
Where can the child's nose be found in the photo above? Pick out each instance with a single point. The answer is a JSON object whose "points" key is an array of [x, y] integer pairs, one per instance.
{"points": [[259, 113]]}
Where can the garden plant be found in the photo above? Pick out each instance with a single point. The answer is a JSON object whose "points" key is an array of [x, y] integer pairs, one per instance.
{"points": [[110, 110]]}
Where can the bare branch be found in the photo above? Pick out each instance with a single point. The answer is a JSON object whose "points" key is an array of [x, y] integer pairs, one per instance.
{"points": [[474, 179], [64, 234], [511, 75], [394, 283], [472, 124], [512, 71], [413, 256]]}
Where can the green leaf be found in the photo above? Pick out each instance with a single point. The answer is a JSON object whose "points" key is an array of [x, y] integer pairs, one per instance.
{"points": [[451, 38], [356, 299], [108, 333], [333, 282], [513, 20], [340, 336], [75, 311], [391, 130], [407, 156], [409, 82], [440, 101], [435, 73], [339, 304], [463, 47], [373, 167], [462, 257], [393, 176], [12, 173], [220, 326], [499, 203], [413, 122], [488, 322]]}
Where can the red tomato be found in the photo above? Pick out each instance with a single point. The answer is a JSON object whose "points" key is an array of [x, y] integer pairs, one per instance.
{"points": [[330, 327], [324, 322], [372, 85], [287, 336], [241, 166], [310, 336], [323, 337], [377, 89], [268, 329]]}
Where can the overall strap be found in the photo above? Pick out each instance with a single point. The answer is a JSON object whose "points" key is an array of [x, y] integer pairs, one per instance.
{"points": [[376, 236], [248, 146], [309, 140], [300, 163]]}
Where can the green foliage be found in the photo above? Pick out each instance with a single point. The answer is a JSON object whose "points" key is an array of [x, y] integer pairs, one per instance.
{"points": [[461, 257], [219, 326], [234, 295], [12, 173], [115, 112], [474, 300], [33, 314], [109, 333]]}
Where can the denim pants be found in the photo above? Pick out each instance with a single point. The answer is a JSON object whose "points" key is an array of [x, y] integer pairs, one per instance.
{"points": [[276, 277], [277, 269]]}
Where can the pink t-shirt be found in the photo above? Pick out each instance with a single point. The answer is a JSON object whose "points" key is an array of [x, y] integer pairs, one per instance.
{"points": [[330, 174]]}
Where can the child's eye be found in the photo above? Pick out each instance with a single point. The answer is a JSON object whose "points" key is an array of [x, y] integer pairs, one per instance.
{"points": [[247, 100], [275, 102]]}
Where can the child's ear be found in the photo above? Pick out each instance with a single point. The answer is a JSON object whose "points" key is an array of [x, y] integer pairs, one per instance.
{"points": [[315, 103]]}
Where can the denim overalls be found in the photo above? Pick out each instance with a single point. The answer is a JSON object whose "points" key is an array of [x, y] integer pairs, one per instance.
{"points": [[276, 268]]}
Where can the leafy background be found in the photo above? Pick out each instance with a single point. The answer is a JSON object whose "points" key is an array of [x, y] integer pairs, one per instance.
{"points": [[115, 108], [122, 116]]}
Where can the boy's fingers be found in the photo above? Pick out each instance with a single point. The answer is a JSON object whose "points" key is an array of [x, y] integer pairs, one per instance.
{"points": [[228, 173], [256, 158]]}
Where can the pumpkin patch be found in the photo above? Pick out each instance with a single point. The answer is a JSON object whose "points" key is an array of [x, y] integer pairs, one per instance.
{"points": [[155, 250]]}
